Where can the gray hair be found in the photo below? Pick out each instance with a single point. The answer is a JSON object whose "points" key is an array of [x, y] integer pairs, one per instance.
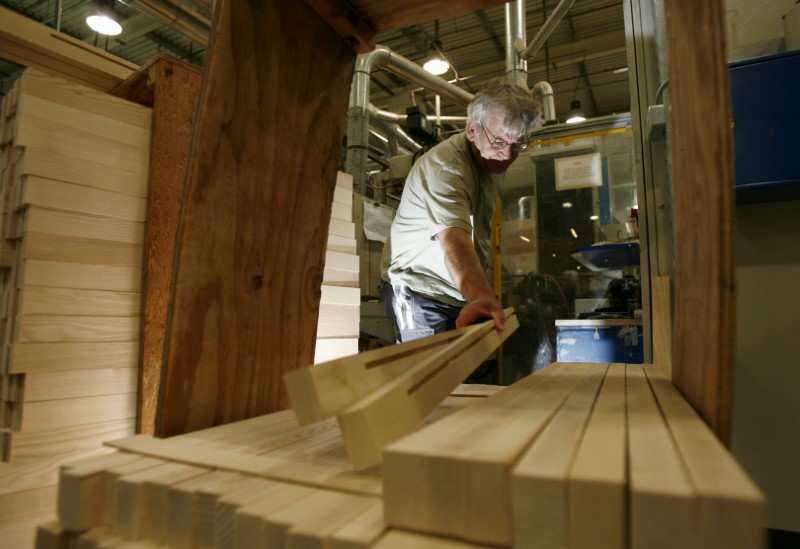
{"points": [[521, 109]]}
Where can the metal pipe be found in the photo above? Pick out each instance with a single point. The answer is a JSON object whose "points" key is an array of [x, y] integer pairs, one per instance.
{"points": [[181, 17], [547, 28], [401, 118], [548, 100], [516, 66], [391, 128]]}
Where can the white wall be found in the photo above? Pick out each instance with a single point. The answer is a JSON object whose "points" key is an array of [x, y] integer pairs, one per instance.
{"points": [[766, 409], [755, 26]]}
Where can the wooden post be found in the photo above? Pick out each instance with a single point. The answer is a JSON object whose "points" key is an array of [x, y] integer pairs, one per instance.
{"points": [[703, 186], [257, 203]]}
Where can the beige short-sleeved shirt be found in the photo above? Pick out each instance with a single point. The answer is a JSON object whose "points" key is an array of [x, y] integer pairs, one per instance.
{"points": [[445, 188]]}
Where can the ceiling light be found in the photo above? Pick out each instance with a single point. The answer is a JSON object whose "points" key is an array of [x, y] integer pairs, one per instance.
{"points": [[524, 238], [103, 20], [575, 115], [436, 66], [594, 217], [620, 70], [566, 205], [573, 232]]}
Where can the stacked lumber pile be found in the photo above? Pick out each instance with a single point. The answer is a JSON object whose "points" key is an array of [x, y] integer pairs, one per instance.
{"points": [[74, 182], [260, 482], [577, 455], [340, 303]]}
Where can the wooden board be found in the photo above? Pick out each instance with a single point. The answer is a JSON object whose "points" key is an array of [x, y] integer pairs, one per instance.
{"points": [[702, 172], [51, 357], [662, 324], [51, 193], [253, 225]]}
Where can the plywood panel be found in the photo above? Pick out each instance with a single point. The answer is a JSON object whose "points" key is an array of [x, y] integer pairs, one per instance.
{"points": [[255, 219], [702, 174]]}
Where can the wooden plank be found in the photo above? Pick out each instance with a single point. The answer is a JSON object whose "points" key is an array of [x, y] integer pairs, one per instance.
{"points": [[41, 300], [82, 490], [600, 472], [400, 539], [250, 521], [327, 389], [92, 173], [52, 414], [52, 357], [341, 228], [362, 531], [663, 505], [56, 328], [441, 478], [328, 349], [174, 87], [79, 383], [539, 487], [51, 536], [339, 320], [57, 274], [705, 282], [662, 324], [68, 249], [51, 193], [328, 477], [732, 510], [227, 506], [36, 455], [341, 244], [141, 500], [34, 45], [191, 508], [23, 511], [93, 227], [395, 409], [227, 286]]}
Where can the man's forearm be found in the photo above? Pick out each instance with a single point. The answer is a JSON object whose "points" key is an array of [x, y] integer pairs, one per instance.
{"points": [[463, 265]]}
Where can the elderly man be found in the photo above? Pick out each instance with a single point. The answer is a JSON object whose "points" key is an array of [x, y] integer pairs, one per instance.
{"points": [[434, 261]]}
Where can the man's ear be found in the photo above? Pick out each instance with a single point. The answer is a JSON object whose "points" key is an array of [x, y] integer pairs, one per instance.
{"points": [[471, 131]]}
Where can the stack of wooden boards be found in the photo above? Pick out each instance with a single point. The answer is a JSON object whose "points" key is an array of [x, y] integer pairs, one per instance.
{"points": [[577, 455], [73, 190], [340, 303], [261, 482]]}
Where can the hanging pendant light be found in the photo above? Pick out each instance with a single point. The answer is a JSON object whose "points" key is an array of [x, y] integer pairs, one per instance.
{"points": [[104, 21], [575, 114], [436, 63]]}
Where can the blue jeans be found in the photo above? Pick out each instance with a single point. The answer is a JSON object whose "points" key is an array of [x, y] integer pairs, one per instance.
{"points": [[415, 316]]}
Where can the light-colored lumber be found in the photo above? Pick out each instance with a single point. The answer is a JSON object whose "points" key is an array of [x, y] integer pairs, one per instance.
{"points": [[731, 508], [344, 196], [341, 244], [51, 193], [36, 455], [141, 500], [539, 487], [338, 321], [400, 539], [82, 490], [58, 328], [663, 504], [260, 524], [79, 225], [325, 389], [341, 228], [362, 531], [83, 276], [51, 535], [52, 414], [68, 249], [599, 473], [113, 474], [190, 522], [341, 269], [78, 383], [313, 521], [225, 510], [399, 406], [90, 172], [43, 300], [662, 324], [342, 211], [331, 348], [51, 357], [453, 477]]}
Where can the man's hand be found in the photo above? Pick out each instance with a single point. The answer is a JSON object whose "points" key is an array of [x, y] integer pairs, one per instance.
{"points": [[467, 274], [484, 308]]}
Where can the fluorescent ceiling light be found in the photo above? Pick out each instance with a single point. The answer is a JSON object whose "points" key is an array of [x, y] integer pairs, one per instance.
{"points": [[436, 66], [575, 114], [103, 24]]}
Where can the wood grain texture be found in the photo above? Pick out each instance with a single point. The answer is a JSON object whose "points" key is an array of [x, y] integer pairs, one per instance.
{"points": [[662, 324], [255, 216], [381, 15], [172, 87], [703, 343]]}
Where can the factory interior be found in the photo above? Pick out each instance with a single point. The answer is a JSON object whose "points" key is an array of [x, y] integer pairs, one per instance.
{"points": [[196, 196]]}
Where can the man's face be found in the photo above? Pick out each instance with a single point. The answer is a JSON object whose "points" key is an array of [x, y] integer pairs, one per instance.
{"points": [[495, 158]]}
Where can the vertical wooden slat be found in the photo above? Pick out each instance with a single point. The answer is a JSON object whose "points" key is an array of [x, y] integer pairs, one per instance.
{"points": [[254, 223], [702, 172], [171, 87]]}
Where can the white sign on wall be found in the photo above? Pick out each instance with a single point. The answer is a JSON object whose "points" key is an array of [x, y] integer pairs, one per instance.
{"points": [[577, 172]]}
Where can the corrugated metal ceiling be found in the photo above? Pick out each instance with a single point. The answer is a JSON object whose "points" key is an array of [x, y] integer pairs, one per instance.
{"points": [[579, 58]]}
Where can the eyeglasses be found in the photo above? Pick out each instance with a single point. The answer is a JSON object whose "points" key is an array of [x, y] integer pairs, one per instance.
{"points": [[497, 143]]}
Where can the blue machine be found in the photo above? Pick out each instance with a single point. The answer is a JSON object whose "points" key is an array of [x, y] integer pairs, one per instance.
{"points": [[765, 92], [600, 340]]}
